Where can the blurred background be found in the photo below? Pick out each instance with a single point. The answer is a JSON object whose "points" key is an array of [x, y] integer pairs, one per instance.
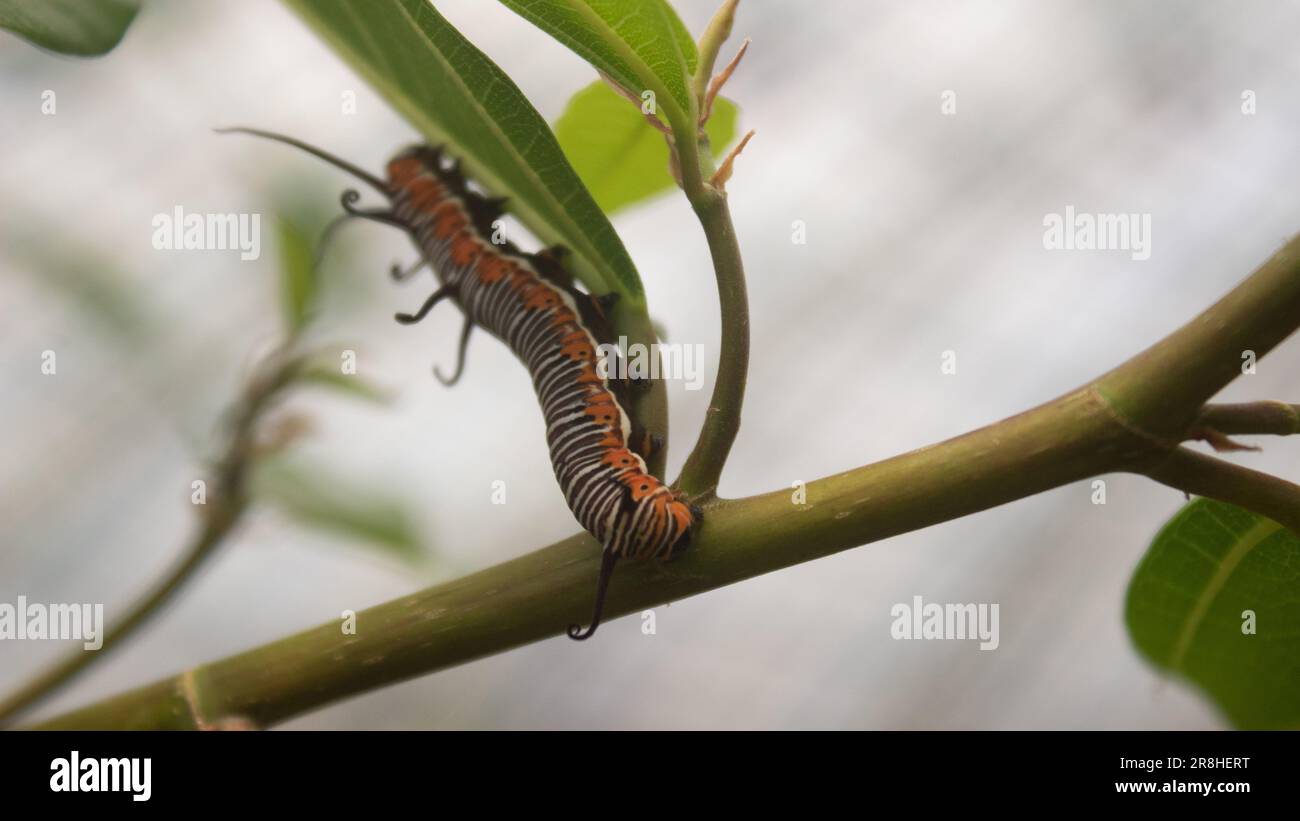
{"points": [[924, 235]]}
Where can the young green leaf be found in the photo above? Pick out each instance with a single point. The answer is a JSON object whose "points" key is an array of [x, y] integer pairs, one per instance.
{"points": [[453, 93], [1214, 600], [316, 499], [640, 44], [101, 294], [329, 376], [298, 286], [620, 157], [84, 28]]}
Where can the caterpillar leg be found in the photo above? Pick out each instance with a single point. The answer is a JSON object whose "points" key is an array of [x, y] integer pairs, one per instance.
{"points": [[349, 199], [494, 207], [549, 263], [644, 443], [465, 331], [607, 560], [434, 298], [605, 303], [400, 274]]}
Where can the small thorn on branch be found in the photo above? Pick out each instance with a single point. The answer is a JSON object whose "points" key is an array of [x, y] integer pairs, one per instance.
{"points": [[1220, 441], [720, 177], [719, 80]]}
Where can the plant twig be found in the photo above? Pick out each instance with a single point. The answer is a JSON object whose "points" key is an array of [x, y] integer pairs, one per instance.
{"points": [[226, 504], [1246, 418], [1079, 435], [1203, 475]]}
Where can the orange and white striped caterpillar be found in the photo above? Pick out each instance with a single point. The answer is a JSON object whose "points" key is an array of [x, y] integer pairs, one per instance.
{"points": [[528, 302]]}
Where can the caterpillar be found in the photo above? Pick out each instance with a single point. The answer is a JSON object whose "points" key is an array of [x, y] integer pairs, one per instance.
{"points": [[529, 302]]}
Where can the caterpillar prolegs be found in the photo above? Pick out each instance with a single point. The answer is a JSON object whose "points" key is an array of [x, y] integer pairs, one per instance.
{"points": [[528, 302]]}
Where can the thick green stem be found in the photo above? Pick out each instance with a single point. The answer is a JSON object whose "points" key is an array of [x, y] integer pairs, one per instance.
{"points": [[703, 467], [1079, 435], [1162, 390], [535, 596]]}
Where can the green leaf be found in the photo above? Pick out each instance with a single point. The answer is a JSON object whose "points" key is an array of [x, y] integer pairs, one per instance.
{"points": [[94, 286], [85, 28], [451, 92], [620, 157], [329, 376], [1188, 602], [298, 285], [332, 504], [640, 44]]}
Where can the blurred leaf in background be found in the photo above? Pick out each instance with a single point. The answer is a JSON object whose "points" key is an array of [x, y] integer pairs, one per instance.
{"points": [[298, 280], [334, 504], [619, 156], [328, 375], [84, 28], [91, 283], [1217, 599]]}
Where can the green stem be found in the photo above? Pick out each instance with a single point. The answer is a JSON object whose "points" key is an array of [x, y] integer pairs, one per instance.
{"points": [[1162, 390], [703, 467], [1203, 475], [1246, 418], [1079, 435]]}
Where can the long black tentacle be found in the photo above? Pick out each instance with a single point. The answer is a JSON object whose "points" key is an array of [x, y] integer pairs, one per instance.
{"points": [[341, 164], [434, 298], [607, 561], [465, 331]]}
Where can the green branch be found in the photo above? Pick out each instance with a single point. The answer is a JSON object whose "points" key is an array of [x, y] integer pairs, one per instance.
{"points": [[703, 467], [1079, 435], [1203, 475], [1162, 390], [1246, 418]]}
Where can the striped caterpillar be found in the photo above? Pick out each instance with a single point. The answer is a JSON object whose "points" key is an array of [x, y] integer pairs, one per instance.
{"points": [[528, 301]]}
